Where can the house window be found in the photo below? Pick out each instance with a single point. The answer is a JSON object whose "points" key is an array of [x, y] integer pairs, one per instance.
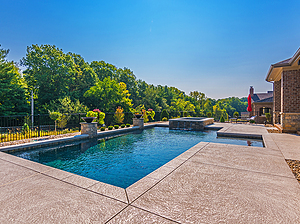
{"points": [[264, 110]]}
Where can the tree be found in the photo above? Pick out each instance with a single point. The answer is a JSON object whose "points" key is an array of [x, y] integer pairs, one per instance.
{"points": [[66, 105], [56, 74], [199, 98], [13, 94], [84, 78], [107, 95], [165, 114], [119, 115], [54, 116], [236, 114]]}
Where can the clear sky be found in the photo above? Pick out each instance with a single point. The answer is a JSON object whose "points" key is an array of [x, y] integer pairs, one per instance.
{"points": [[219, 48]]}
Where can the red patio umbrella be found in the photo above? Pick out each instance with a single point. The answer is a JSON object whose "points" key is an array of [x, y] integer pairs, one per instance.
{"points": [[249, 108]]}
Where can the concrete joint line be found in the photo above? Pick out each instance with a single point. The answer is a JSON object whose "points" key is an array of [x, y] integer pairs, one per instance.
{"points": [[232, 168], [130, 203], [19, 179]]}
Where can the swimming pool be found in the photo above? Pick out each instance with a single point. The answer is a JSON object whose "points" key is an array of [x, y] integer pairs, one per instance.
{"points": [[123, 160]]}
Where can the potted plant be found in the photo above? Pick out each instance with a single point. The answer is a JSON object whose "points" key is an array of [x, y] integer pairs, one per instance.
{"points": [[90, 116], [138, 111]]}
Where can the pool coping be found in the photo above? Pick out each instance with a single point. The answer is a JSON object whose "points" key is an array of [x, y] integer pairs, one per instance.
{"points": [[127, 195]]}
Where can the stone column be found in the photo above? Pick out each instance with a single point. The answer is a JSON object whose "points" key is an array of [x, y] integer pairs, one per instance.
{"points": [[89, 129], [138, 122]]}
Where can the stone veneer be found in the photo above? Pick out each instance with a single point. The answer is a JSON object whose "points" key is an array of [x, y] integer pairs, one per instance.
{"points": [[190, 123], [89, 129], [138, 122], [290, 122]]}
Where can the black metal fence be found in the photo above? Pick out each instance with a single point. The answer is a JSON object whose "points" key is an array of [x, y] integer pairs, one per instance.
{"points": [[19, 127]]}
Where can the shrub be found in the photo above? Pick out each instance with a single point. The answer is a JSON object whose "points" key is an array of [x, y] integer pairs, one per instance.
{"points": [[236, 114], [123, 125], [128, 125], [91, 114], [252, 121], [151, 113], [222, 119], [63, 120], [100, 116], [208, 114], [116, 126], [119, 115], [102, 129], [25, 129], [268, 117], [110, 127], [163, 114], [164, 119]]}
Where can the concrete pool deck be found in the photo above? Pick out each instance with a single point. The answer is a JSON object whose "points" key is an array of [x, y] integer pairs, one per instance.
{"points": [[208, 183]]}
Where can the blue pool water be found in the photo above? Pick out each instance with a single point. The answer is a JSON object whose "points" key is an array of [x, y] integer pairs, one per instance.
{"points": [[123, 160]]}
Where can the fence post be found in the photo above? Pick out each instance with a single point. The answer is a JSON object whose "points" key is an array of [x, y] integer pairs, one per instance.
{"points": [[39, 125], [79, 117]]}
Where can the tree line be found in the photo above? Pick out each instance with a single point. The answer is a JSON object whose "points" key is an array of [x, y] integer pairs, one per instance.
{"points": [[66, 83]]}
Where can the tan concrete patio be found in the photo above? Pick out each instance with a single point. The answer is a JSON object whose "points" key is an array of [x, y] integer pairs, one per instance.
{"points": [[209, 183]]}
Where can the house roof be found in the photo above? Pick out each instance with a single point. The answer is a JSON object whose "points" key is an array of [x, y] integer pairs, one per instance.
{"points": [[262, 97], [275, 70], [282, 63]]}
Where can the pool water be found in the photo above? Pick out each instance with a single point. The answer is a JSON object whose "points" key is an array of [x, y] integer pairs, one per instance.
{"points": [[123, 160]]}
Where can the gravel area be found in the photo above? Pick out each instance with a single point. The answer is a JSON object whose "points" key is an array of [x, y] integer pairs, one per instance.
{"points": [[295, 167]]}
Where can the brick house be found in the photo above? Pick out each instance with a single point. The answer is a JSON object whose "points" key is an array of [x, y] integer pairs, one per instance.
{"points": [[285, 76], [261, 104]]}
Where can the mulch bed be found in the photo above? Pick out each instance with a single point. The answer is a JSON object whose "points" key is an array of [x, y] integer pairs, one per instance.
{"points": [[295, 167]]}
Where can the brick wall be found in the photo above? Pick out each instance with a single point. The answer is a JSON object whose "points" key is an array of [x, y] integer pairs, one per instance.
{"points": [[276, 101], [290, 91]]}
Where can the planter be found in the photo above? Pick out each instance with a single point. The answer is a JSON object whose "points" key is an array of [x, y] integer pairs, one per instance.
{"points": [[88, 119], [138, 115]]}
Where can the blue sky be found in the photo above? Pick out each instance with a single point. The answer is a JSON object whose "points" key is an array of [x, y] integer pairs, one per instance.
{"points": [[219, 48]]}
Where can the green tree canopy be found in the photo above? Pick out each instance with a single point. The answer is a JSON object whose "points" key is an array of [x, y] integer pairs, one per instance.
{"points": [[13, 95], [108, 95], [55, 74]]}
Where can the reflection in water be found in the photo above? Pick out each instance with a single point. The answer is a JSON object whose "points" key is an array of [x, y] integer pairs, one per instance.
{"points": [[88, 144], [249, 143]]}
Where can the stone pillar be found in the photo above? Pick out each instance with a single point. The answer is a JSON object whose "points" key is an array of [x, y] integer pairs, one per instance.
{"points": [[138, 122], [89, 129]]}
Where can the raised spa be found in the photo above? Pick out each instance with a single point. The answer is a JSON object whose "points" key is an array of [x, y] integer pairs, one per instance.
{"points": [[190, 123]]}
